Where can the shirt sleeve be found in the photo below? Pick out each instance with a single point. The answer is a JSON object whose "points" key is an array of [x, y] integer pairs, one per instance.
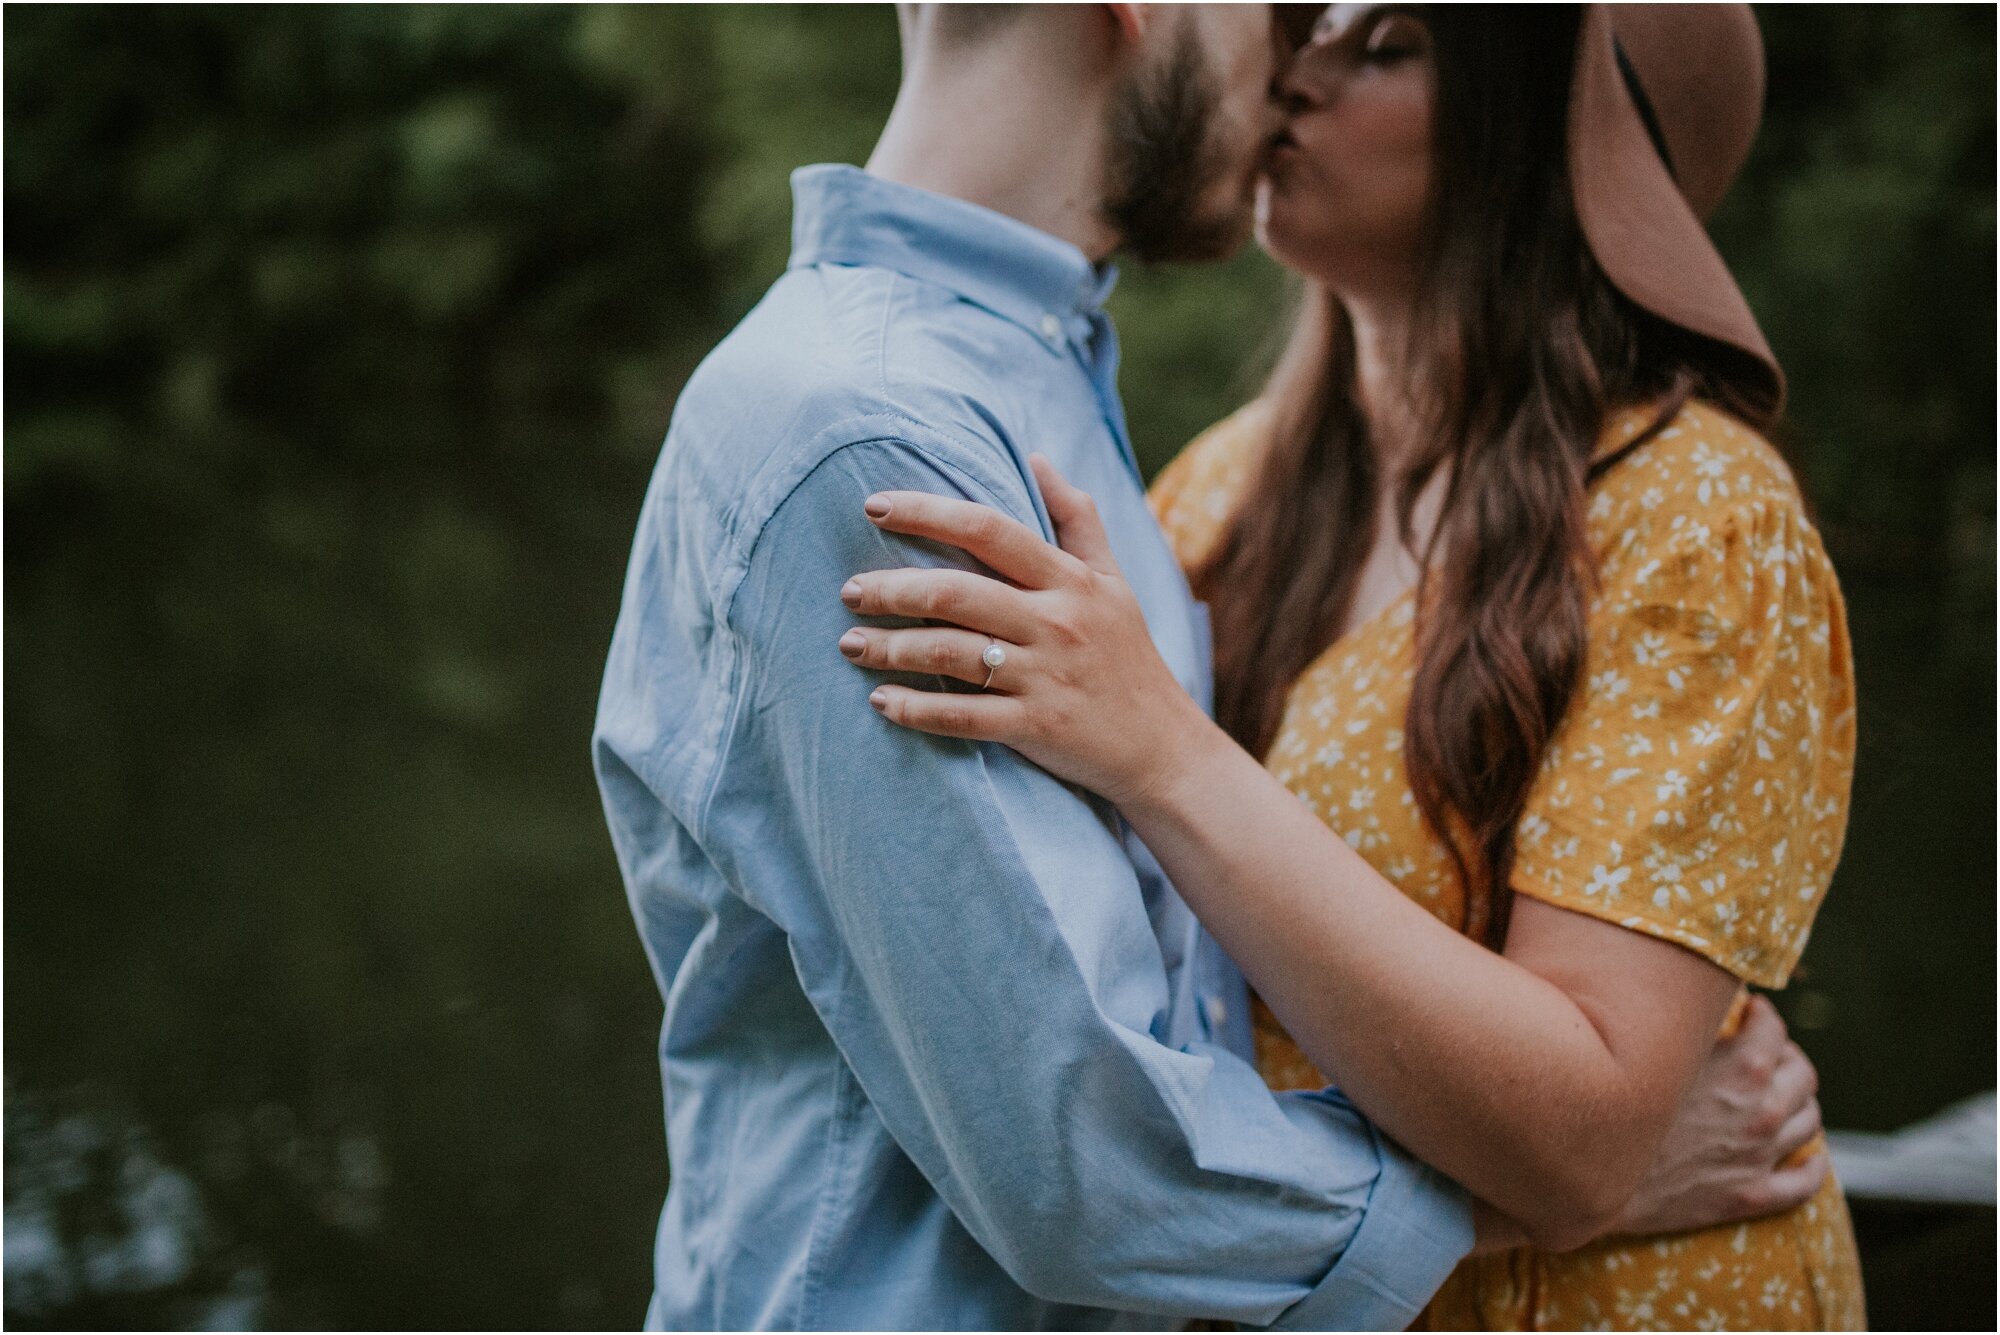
{"points": [[1697, 790], [974, 938]]}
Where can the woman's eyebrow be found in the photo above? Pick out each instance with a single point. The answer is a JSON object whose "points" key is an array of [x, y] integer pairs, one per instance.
{"points": [[1363, 17]]}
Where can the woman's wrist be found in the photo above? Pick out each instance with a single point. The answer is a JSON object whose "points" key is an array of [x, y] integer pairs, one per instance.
{"points": [[1191, 757]]}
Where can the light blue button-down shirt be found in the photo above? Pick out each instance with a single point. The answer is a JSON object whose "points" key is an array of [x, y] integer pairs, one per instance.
{"points": [[942, 1046]]}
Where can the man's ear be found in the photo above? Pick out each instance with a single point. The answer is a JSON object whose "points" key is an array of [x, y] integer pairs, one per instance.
{"points": [[1131, 19]]}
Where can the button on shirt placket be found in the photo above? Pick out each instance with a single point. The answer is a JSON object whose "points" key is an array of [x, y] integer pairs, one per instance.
{"points": [[1090, 337], [1103, 365]]}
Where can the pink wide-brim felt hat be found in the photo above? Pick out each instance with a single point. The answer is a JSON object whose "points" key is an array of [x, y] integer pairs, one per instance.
{"points": [[1696, 74]]}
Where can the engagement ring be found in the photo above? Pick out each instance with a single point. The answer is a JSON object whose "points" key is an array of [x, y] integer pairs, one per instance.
{"points": [[993, 657]]}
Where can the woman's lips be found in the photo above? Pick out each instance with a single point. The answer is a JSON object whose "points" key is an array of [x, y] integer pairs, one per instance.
{"points": [[1280, 146]]}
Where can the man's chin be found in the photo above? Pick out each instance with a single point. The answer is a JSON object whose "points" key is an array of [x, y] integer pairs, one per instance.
{"points": [[1220, 229], [1230, 238], [1236, 216], [1197, 242]]}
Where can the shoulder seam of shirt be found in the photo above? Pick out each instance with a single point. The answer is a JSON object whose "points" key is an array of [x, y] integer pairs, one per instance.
{"points": [[726, 611], [982, 489]]}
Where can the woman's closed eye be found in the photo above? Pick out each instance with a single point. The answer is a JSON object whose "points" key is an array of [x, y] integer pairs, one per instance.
{"points": [[1354, 37], [1393, 38]]}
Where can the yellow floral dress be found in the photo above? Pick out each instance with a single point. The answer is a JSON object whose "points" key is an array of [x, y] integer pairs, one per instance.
{"points": [[1696, 791]]}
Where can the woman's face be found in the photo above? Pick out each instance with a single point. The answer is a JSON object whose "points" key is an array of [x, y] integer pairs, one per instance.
{"points": [[1346, 189]]}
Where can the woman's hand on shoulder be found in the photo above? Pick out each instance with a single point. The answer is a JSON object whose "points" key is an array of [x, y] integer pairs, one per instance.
{"points": [[1076, 684]]}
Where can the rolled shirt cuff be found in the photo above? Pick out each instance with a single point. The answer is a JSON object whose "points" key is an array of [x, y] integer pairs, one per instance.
{"points": [[1416, 1229]]}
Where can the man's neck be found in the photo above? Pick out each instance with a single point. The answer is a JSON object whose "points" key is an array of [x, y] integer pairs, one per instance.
{"points": [[966, 127]]}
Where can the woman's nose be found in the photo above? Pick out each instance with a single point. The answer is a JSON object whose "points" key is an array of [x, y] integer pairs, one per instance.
{"points": [[1294, 92], [1293, 98]]}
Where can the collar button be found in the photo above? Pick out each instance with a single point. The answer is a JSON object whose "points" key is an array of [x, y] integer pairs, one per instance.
{"points": [[1052, 329]]}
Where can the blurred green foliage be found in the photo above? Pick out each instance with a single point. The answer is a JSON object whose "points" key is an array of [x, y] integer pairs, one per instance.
{"points": [[340, 341]]}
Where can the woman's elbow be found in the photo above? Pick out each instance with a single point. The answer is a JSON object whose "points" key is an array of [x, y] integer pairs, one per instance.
{"points": [[1579, 1203], [1568, 1230]]}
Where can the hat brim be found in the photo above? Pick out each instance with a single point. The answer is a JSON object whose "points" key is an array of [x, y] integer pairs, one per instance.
{"points": [[1640, 227]]}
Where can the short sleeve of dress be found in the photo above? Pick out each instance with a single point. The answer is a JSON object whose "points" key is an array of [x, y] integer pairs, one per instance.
{"points": [[1697, 789], [1195, 493]]}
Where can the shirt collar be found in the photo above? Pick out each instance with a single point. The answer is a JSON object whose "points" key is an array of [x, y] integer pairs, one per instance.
{"points": [[843, 215]]}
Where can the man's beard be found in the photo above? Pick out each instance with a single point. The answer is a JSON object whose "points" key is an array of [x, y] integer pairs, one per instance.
{"points": [[1161, 161]]}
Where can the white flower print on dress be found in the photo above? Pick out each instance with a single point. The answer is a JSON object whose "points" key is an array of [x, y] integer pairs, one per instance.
{"points": [[1604, 881], [1695, 790]]}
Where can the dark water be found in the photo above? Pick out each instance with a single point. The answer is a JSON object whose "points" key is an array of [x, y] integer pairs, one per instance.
{"points": [[367, 1040]]}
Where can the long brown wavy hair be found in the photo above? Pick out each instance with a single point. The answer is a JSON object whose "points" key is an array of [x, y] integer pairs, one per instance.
{"points": [[1524, 349]]}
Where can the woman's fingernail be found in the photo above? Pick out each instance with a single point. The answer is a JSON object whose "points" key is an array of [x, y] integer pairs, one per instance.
{"points": [[853, 643], [850, 593], [879, 698], [877, 507]]}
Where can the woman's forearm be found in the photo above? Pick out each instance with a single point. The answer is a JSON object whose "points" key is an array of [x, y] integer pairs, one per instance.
{"points": [[1493, 1231], [1542, 1083], [1490, 1073]]}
